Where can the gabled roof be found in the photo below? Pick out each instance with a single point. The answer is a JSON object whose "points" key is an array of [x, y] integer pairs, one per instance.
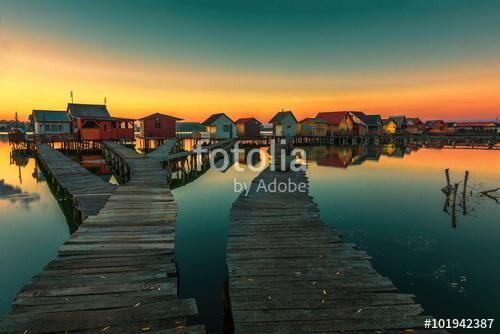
{"points": [[369, 120], [88, 110], [413, 121], [333, 117], [375, 119], [433, 123], [213, 118], [280, 115], [159, 114], [188, 126], [388, 120], [400, 120], [50, 116], [246, 120], [313, 120]]}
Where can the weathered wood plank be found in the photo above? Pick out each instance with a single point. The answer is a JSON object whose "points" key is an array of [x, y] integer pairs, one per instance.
{"points": [[117, 273], [289, 272]]}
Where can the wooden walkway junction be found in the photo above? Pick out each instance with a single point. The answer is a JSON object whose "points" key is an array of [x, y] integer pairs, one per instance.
{"points": [[289, 272], [88, 192], [224, 144], [117, 273]]}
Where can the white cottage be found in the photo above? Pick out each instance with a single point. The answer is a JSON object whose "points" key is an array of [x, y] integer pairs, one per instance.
{"points": [[50, 122], [284, 124], [219, 126]]}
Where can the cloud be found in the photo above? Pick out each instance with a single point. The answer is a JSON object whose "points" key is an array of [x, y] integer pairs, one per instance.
{"points": [[16, 194]]}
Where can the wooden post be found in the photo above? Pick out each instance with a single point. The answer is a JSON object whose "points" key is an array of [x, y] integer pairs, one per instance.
{"points": [[447, 173], [454, 205], [466, 178]]}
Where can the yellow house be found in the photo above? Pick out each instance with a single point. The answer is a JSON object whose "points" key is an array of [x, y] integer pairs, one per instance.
{"points": [[390, 126], [312, 127]]}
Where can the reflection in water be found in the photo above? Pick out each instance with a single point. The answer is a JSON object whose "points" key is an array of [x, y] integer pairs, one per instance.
{"points": [[16, 194], [96, 164], [32, 226], [393, 208], [344, 156], [385, 198], [464, 197]]}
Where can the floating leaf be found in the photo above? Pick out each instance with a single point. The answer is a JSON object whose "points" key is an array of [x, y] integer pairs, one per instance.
{"points": [[102, 276], [324, 292], [250, 279], [105, 328], [322, 301], [337, 273], [269, 297], [359, 311], [137, 304], [145, 329]]}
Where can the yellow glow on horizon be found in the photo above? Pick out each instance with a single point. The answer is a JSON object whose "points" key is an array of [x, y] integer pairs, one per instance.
{"points": [[41, 73]]}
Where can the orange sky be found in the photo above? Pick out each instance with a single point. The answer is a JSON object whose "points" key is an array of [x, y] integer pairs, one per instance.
{"points": [[39, 73]]}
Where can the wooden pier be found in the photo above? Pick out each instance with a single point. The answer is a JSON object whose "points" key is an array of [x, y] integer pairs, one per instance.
{"points": [[87, 191], [117, 273], [223, 144], [289, 272]]}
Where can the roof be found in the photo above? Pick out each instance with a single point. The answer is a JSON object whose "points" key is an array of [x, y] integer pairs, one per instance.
{"points": [[388, 120], [412, 121], [464, 124], [313, 120], [433, 123], [213, 118], [50, 116], [159, 114], [332, 117], [370, 120], [400, 120], [188, 126], [88, 110], [246, 120], [280, 115]]}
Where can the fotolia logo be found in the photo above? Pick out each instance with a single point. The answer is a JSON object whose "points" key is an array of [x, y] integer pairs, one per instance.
{"points": [[281, 159]]}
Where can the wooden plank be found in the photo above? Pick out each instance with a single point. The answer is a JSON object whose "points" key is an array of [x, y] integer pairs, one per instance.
{"points": [[117, 273], [289, 272]]}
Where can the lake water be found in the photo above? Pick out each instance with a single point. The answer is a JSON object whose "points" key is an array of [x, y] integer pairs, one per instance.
{"points": [[386, 200]]}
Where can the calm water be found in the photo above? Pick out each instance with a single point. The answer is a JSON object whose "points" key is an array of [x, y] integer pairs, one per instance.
{"points": [[393, 208], [32, 225], [388, 202]]}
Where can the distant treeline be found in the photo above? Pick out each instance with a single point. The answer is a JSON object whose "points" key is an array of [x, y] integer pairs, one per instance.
{"points": [[7, 125]]}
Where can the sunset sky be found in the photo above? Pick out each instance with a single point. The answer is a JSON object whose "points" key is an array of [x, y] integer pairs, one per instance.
{"points": [[432, 58]]}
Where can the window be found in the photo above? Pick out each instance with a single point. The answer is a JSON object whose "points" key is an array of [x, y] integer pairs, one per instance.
{"points": [[54, 127], [59, 127], [158, 125], [226, 128], [288, 126]]}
